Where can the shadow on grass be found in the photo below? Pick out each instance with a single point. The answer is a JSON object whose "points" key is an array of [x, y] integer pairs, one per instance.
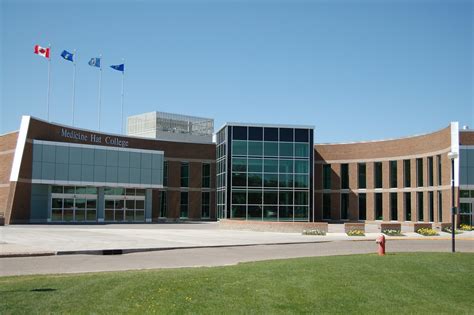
{"points": [[32, 290]]}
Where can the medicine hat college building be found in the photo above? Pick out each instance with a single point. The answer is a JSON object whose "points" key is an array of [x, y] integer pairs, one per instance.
{"points": [[169, 168]]}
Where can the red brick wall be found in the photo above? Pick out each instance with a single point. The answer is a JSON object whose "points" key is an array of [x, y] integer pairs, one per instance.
{"points": [[7, 152], [424, 146]]}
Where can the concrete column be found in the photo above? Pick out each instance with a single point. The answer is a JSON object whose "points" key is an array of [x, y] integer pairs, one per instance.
{"points": [[148, 204], [100, 204]]}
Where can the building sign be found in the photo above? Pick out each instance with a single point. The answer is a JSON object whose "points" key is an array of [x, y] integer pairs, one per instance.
{"points": [[92, 137]]}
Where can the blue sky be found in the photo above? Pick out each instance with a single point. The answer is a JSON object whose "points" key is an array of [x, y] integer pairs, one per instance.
{"points": [[356, 70]]}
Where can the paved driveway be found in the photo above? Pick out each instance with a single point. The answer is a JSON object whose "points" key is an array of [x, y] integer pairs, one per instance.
{"points": [[207, 257], [82, 238]]}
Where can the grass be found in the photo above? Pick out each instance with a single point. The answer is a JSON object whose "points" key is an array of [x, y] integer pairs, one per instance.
{"points": [[402, 283]]}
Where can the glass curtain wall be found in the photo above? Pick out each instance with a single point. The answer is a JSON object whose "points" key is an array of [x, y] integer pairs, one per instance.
{"points": [[270, 173]]}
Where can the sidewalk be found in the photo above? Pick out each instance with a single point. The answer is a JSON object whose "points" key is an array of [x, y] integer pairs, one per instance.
{"points": [[40, 240]]}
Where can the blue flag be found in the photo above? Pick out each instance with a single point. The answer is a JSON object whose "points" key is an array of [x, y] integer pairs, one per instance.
{"points": [[67, 55], [94, 62], [118, 67]]}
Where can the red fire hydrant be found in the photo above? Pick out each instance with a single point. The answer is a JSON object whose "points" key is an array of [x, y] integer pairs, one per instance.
{"points": [[381, 245]]}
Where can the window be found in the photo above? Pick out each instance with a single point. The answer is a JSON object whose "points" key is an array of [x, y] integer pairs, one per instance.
{"points": [[270, 134], [184, 175], [407, 205], [419, 197], [256, 133], [431, 206], [362, 207], [430, 171], [419, 172], [286, 134], [239, 133], [327, 176], [165, 173], [301, 135], [393, 206], [255, 148], [440, 206], [326, 206], [286, 149], [239, 147], [393, 174], [344, 176], [438, 158], [163, 204], [206, 175], [378, 174], [378, 207], [361, 170], [406, 173], [183, 213], [344, 206], [270, 148], [205, 204]]}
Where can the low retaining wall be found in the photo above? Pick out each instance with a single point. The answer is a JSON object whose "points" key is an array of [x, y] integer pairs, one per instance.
{"points": [[417, 226], [350, 226], [390, 226], [288, 227], [441, 226]]}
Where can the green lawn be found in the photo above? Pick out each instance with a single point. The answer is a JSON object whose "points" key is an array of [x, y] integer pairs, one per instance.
{"points": [[397, 283]]}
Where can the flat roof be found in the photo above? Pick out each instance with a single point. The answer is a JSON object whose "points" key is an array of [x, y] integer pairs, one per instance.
{"points": [[240, 124]]}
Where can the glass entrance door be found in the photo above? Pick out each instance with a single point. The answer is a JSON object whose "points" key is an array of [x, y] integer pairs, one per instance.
{"points": [[465, 212], [124, 205], [73, 204]]}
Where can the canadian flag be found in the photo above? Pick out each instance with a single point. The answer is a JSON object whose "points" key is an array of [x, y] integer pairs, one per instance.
{"points": [[44, 52]]}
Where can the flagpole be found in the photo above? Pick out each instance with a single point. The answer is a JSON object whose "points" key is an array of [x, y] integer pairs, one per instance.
{"points": [[49, 83], [100, 82], [73, 84], [123, 75]]}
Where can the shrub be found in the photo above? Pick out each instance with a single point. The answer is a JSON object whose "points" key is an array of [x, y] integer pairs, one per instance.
{"points": [[465, 227], [426, 232], [355, 233], [314, 232], [390, 232], [449, 230]]}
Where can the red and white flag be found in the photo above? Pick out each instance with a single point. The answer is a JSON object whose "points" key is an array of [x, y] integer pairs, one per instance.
{"points": [[44, 52]]}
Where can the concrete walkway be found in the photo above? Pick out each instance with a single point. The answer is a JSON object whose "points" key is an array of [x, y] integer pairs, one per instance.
{"points": [[38, 240]]}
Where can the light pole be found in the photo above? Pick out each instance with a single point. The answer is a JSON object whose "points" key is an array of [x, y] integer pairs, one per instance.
{"points": [[452, 156]]}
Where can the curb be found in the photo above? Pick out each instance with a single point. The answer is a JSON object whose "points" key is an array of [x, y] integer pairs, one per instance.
{"points": [[118, 251], [27, 254]]}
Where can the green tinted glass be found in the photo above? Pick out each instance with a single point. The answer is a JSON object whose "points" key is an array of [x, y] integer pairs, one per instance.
{"points": [[270, 180], [255, 180], [301, 181], [286, 149], [301, 149], [239, 165], [301, 197], [271, 149], [286, 180], [271, 166], [255, 148], [239, 147], [239, 197], [301, 167], [286, 166], [255, 165]]}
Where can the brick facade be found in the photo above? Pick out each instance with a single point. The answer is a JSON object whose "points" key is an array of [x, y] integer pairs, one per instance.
{"points": [[15, 197], [412, 148]]}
